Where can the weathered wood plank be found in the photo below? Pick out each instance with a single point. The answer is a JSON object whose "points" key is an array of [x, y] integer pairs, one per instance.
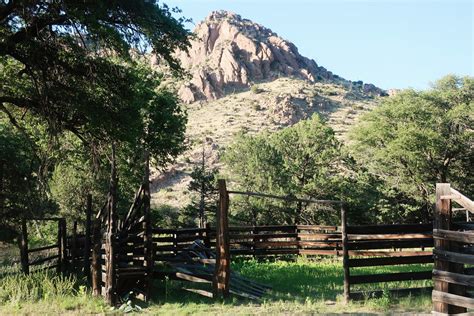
{"points": [[452, 256], [390, 277], [390, 229], [389, 261], [451, 277], [452, 299], [464, 237]]}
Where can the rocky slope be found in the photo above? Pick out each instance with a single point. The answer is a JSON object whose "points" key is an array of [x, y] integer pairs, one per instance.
{"points": [[244, 77]]}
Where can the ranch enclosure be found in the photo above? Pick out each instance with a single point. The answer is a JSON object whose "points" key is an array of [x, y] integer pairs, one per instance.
{"points": [[138, 253]]}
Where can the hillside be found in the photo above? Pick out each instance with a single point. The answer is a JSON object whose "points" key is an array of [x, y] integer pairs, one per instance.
{"points": [[244, 77]]}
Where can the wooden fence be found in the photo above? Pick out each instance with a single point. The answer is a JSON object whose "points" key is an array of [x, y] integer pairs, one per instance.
{"points": [[254, 240], [453, 251], [53, 256], [385, 245]]}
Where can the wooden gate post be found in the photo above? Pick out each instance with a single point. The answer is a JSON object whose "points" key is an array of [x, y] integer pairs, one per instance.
{"points": [[207, 236], [62, 251], [96, 273], [222, 271], [442, 220], [148, 237], [23, 242], [110, 238], [345, 254], [87, 239]]}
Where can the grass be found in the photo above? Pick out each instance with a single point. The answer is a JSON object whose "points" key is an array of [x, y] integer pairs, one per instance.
{"points": [[301, 287]]}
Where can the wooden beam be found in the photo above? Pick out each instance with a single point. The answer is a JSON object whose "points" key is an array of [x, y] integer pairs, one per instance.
{"points": [[463, 200], [62, 239], [453, 299], [442, 220], [24, 248], [222, 269]]}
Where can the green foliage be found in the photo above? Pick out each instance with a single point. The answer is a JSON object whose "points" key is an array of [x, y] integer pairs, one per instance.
{"points": [[302, 161], [204, 198], [21, 188], [55, 61], [416, 139], [20, 288]]}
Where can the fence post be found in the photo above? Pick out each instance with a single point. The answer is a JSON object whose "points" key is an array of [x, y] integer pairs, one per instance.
{"points": [[110, 239], [222, 271], [207, 236], [62, 251], [148, 237], [87, 239], [23, 242], [96, 273], [74, 247], [345, 254], [442, 220]]}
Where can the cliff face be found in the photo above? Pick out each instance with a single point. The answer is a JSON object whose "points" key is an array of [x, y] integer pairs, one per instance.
{"points": [[230, 54]]}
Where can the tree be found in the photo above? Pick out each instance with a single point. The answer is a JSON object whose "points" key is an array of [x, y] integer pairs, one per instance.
{"points": [[203, 185], [418, 138], [69, 62], [19, 185], [303, 160], [69, 67]]}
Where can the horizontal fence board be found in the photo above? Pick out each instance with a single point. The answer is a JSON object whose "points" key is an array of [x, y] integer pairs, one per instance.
{"points": [[390, 229], [389, 261], [463, 237], [262, 236], [453, 299], [451, 277], [270, 228], [390, 277], [43, 260], [362, 295], [318, 227], [453, 256], [43, 248], [320, 252], [388, 236], [367, 245]]}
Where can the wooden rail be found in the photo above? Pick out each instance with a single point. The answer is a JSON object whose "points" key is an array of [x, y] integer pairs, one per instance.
{"points": [[384, 245], [452, 252]]}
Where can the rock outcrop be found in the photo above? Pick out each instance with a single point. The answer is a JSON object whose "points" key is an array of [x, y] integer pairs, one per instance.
{"points": [[230, 53]]}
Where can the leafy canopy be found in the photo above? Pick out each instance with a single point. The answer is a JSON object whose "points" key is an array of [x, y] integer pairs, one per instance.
{"points": [[418, 138], [56, 61]]}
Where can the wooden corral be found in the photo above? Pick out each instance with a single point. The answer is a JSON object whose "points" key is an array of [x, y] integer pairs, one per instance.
{"points": [[120, 255]]}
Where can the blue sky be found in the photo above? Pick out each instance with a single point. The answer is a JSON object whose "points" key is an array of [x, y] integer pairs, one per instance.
{"points": [[393, 44]]}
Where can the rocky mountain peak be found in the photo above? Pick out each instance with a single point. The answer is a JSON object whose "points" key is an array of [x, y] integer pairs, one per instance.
{"points": [[230, 53]]}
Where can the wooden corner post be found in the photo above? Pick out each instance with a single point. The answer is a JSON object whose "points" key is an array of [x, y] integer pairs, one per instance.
{"points": [[345, 254], [23, 242], [442, 220], [222, 272]]}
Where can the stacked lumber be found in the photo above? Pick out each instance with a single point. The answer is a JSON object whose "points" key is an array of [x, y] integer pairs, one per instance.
{"points": [[196, 264]]}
